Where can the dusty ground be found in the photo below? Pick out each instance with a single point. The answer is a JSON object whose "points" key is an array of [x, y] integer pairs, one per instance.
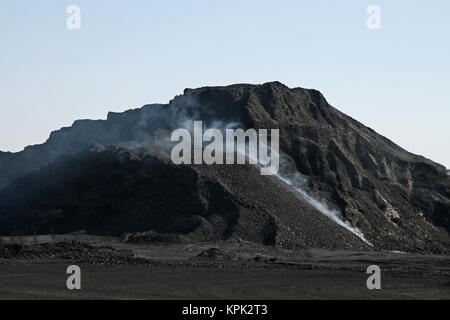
{"points": [[47, 281], [239, 271]]}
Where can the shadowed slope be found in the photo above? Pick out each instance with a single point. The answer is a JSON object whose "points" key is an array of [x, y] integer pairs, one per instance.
{"points": [[397, 199]]}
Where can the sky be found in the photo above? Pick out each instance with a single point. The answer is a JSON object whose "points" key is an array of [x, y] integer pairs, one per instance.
{"points": [[129, 53]]}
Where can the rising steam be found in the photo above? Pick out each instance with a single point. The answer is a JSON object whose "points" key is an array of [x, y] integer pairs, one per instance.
{"points": [[296, 181], [182, 113], [323, 208]]}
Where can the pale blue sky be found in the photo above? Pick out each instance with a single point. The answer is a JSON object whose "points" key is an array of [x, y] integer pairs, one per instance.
{"points": [[129, 53]]}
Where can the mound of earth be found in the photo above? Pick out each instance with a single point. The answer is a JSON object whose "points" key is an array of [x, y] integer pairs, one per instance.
{"points": [[400, 201], [117, 191], [214, 254]]}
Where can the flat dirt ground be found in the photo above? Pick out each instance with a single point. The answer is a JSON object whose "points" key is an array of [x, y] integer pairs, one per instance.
{"points": [[48, 281], [239, 271]]}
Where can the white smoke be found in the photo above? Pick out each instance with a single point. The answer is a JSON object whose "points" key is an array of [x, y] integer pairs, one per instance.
{"points": [[183, 117], [296, 181], [323, 208]]}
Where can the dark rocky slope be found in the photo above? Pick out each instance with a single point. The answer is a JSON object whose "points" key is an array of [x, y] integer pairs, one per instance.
{"points": [[399, 200], [117, 191]]}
